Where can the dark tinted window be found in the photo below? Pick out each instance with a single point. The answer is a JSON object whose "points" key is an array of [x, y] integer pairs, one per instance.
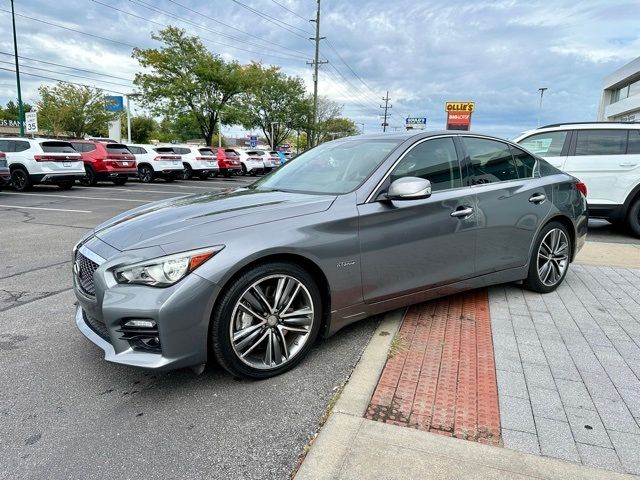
{"points": [[206, 151], [634, 142], [434, 160], [117, 148], [181, 150], [548, 144], [137, 150], [84, 147], [601, 142], [491, 160], [57, 147], [13, 146], [524, 163], [4, 146], [164, 150]]}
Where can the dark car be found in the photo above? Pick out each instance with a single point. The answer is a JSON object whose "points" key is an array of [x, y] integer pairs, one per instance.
{"points": [[252, 277], [105, 162]]}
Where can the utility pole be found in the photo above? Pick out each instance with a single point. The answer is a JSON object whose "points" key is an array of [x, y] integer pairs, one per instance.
{"points": [[316, 62], [220, 129], [386, 107], [15, 52], [541, 90]]}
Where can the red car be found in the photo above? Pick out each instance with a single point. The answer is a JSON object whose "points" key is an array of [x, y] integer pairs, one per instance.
{"points": [[105, 161], [228, 161], [5, 176]]}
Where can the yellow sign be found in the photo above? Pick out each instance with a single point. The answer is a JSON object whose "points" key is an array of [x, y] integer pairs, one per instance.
{"points": [[459, 107]]}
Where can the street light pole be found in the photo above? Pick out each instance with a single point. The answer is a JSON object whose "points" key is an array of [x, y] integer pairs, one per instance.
{"points": [[541, 90], [128, 121], [15, 51]]}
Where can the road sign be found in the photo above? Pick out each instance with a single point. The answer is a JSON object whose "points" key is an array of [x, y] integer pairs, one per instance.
{"points": [[416, 123], [459, 115], [253, 141], [113, 104], [31, 122]]}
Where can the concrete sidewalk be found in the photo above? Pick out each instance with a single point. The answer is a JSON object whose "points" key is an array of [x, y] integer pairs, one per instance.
{"points": [[350, 446], [610, 254]]}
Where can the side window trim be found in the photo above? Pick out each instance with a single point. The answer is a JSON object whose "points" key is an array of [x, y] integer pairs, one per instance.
{"points": [[472, 172]]}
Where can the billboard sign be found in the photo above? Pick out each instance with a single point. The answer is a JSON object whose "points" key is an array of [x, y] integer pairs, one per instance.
{"points": [[113, 104], [416, 123], [31, 122], [459, 115]]}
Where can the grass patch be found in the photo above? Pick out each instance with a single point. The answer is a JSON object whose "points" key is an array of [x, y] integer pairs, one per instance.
{"points": [[398, 344]]}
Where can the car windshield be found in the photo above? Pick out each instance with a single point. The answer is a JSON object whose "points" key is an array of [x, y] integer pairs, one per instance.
{"points": [[334, 168]]}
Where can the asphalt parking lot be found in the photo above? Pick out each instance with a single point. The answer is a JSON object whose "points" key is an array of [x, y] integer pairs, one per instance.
{"points": [[68, 414], [65, 413]]}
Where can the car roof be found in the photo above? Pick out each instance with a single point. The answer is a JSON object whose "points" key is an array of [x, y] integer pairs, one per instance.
{"points": [[587, 125]]}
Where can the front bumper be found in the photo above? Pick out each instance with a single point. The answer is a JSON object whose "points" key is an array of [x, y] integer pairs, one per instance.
{"points": [[181, 312]]}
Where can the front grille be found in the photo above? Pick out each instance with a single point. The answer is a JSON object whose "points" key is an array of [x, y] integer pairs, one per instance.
{"points": [[84, 270], [96, 325]]}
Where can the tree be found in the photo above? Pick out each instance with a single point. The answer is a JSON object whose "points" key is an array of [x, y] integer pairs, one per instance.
{"points": [[328, 110], [274, 103], [73, 110], [10, 112], [336, 128], [142, 128], [184, 78]]}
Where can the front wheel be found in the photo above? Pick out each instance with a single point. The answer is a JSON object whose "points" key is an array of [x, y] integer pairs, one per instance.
{"points": [[549, 259], [633, 218], [266, 321]]}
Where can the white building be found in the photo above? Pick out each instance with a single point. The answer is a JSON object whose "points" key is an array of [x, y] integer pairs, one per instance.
{"points": [[620, 100]]}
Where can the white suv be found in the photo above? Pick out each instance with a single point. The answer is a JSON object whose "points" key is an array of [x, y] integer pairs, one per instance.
{"points": [[154, 162], [40, 160], [605, 156], [197, 161], [251, 165]]}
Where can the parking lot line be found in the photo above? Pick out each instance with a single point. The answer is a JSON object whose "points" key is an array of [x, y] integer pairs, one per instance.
{"points": [[133, 190], [43, 208], [55, 195]]}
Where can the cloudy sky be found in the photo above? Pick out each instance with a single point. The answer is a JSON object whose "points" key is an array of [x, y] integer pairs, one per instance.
{"points": [[496, 53]]}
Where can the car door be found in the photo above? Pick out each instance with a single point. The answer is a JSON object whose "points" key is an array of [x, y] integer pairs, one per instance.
{"points": [[410, 245], [553, 146], [512, 201], [598, 157]]}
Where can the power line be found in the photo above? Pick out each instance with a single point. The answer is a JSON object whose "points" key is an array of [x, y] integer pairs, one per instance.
{"points": [[273, 20], [70, 29], [235, 28], [64, 81], [386, 107], [69, 74], [288, 10]]}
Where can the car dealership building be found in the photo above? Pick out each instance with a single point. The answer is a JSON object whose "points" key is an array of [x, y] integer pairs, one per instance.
{"points": [[620, 101]]}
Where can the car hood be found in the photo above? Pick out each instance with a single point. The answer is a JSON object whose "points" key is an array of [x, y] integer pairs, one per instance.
{"points": [[203, 215]]}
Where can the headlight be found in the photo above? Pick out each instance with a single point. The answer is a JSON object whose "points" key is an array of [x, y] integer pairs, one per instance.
{"points": [[164, 271]]}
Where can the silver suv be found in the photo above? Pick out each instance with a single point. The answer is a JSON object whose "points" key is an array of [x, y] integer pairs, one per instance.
{"points": [[605, 156]]}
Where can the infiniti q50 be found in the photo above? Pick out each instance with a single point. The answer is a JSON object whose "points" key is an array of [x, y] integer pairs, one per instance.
{"points": [[351, 228]]}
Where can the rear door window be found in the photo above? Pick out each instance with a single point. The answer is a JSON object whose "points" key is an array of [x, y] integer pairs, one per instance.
{"points": [[491, 160], [181, 150], [547, 144], [57, 147], [14, 146], [633, 146], [601, 142], [117, 148], [524, 163]]}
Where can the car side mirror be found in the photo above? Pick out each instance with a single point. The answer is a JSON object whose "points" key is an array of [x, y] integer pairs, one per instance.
{"points": [[409, 188]]}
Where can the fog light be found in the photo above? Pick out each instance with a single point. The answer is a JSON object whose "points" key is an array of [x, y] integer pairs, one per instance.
{"points": [[140, 323]]}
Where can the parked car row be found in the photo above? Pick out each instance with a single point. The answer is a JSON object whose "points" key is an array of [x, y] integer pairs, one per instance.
{"points": [[25, 162]]}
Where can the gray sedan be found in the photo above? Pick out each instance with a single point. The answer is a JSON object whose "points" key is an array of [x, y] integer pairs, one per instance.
{"points": [[349, 229]]}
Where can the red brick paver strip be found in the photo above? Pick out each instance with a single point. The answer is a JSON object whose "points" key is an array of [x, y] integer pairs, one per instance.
{"points": [[441, 375]]}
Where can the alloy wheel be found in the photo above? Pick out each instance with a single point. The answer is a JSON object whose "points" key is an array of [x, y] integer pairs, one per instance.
{"points": [[553, 257], [145, 174], [271, 322], [19, 179]]}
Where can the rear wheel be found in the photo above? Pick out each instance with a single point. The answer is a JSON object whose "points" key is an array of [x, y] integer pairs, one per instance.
{"points": [[20, 179], [119, 181], [633, 217], [90, 178], [266, 321], [187, 172], [549, 259], [145, 174]]}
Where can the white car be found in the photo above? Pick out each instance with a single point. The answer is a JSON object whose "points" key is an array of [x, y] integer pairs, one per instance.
{"points": [[40, 160], [251, 165], [197, 161], [267, 160], [603, 155], [154, 162]]}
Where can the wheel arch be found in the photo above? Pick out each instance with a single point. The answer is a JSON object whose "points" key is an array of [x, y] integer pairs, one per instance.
{"points": [[633, 195], [16, 166], [569, 225]]}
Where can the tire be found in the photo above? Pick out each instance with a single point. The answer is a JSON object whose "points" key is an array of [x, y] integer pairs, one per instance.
{"points": [[145, 174], [66, 185], [244, 170], [633, 218], [119, 181], [90, 178], [228, 318], [20, 180], [187, 172], [554, 238]]}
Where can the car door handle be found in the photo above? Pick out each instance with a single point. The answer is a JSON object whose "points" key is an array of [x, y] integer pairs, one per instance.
{"points": [[628, 164], [462, 212], [537, 198]]}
